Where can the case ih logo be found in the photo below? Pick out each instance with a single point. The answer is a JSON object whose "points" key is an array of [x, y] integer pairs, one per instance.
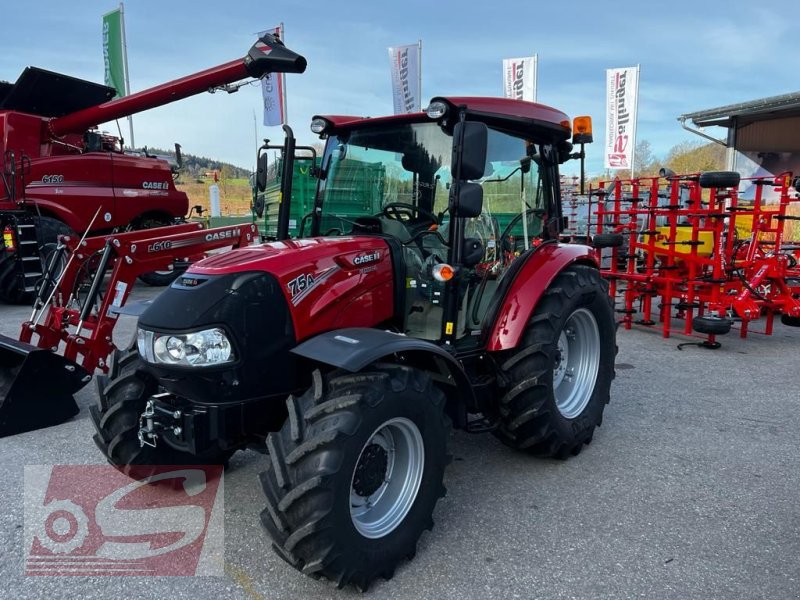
{"points": [[223, 235], [155, 185], [366, 258], [93, 520], [52, 179]]}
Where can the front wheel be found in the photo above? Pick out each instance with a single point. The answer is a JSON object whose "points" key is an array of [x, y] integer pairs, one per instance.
{"points": [[559, 378], [123, 397], [355, 473]]}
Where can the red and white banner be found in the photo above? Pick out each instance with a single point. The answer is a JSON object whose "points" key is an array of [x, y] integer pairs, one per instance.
{"points": [[519, 78], [404, 61], [622, 88], [272, 90]]}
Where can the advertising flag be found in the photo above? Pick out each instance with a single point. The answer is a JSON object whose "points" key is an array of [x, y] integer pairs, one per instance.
{"points": [[622, 88], [519, 78], [113, 51], [272, 88], [404, 62]]}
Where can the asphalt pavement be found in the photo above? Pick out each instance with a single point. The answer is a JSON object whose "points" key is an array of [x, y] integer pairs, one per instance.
{"points": [[689, 490]]}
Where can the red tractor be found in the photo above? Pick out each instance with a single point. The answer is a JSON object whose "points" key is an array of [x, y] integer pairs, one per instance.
{"points": [[61, 176], [348, 355]]}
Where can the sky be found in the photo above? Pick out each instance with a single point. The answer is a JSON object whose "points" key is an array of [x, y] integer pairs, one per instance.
{"points": [[693, 56]]}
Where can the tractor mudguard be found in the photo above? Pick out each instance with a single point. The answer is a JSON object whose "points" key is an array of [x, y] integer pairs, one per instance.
{"points": [[36, 387], [354, 348], [531, 280]]}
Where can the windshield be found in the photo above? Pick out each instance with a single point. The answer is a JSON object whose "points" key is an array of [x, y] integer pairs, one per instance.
{"points": [[368, 169], [402, 171]]}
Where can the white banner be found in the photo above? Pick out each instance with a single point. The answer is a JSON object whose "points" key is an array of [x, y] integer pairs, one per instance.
{"points": [[519, 78], [622, 88], [272, 90], [404, 62]]}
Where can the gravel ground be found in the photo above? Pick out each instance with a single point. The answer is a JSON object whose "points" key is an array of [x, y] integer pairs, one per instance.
{"points": [[689, 490]]}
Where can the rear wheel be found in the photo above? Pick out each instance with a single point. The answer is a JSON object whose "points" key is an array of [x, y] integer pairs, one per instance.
{"points": [[355, 473], [560, 376], [122, 401]]}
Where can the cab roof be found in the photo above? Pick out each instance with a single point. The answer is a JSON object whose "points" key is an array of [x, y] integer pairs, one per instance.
{"points": [[514, 116]]}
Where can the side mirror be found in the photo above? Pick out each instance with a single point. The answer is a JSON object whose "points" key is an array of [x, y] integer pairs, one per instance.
{"points": [[473, 154], [261, 172], [470, 200], [258, 205]]}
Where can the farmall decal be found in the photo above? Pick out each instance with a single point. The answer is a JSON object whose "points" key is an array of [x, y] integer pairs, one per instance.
{"points": [[621, 89]]}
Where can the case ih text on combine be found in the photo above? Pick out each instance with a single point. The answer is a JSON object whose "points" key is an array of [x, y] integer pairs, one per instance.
{"points": [[349, 354], [60, 176]]}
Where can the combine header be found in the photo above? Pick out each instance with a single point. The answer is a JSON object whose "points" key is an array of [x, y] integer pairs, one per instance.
{"points": [[57, 170]]}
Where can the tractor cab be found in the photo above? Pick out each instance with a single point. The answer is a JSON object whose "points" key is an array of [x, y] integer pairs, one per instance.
{"points": [[460, 192]]}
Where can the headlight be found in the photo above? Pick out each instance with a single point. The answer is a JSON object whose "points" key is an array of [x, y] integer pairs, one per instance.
{"points": [[205, 348]]}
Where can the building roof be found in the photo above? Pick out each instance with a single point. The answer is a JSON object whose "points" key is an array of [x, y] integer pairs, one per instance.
{"points": [[755, 110]]}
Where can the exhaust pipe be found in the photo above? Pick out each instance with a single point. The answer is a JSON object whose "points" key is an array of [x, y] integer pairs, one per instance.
{"points": [[36, 387]]}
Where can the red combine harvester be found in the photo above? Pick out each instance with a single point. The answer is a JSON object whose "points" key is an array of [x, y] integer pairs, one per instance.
{"points": [[76, 303], [691, 245], [60, 176], [349, 355]]}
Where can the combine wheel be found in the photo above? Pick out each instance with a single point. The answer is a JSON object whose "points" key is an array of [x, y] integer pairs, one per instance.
{"points": [[122, 401], [560, 375], [12, 281], [355, 473], [711, 325]]}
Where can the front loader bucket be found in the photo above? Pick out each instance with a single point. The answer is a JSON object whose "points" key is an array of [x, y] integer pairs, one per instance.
{"points": [[36, 387]]}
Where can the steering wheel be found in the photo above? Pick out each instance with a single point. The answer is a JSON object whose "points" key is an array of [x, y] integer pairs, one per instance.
{"points": [[394, 210], [504, 242]]}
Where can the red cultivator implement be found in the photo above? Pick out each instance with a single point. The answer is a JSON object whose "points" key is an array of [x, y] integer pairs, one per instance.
{"points": [[84, 289], [694, 246]]}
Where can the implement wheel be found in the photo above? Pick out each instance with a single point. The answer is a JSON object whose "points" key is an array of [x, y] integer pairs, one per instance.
{"points": [[560, 376], [355, 473]]}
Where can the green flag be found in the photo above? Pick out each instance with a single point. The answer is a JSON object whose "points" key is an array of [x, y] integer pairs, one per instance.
{"points": [[113, 51]]}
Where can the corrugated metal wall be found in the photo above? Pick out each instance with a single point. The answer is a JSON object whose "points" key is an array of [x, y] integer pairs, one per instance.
{"points": [[774, 135]]}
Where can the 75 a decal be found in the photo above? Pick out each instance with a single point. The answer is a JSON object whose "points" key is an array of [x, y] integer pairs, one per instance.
{"points": [[300, 283]]}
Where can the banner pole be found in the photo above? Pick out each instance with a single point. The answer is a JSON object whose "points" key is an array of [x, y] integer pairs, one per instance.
{"points": [[125, 66], [535, 76], [636, 112], [419, 75]]}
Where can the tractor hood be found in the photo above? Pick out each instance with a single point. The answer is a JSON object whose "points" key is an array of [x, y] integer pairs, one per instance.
{"points": [[323, 283], [267, 299], [285, 258]]}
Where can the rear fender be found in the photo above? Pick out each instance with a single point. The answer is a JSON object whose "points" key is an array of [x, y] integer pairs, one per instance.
{"points": [[355, 348], [527, 288]]}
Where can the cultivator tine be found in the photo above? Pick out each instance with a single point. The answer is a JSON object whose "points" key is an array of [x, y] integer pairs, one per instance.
{"points": [[36, 387]]}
